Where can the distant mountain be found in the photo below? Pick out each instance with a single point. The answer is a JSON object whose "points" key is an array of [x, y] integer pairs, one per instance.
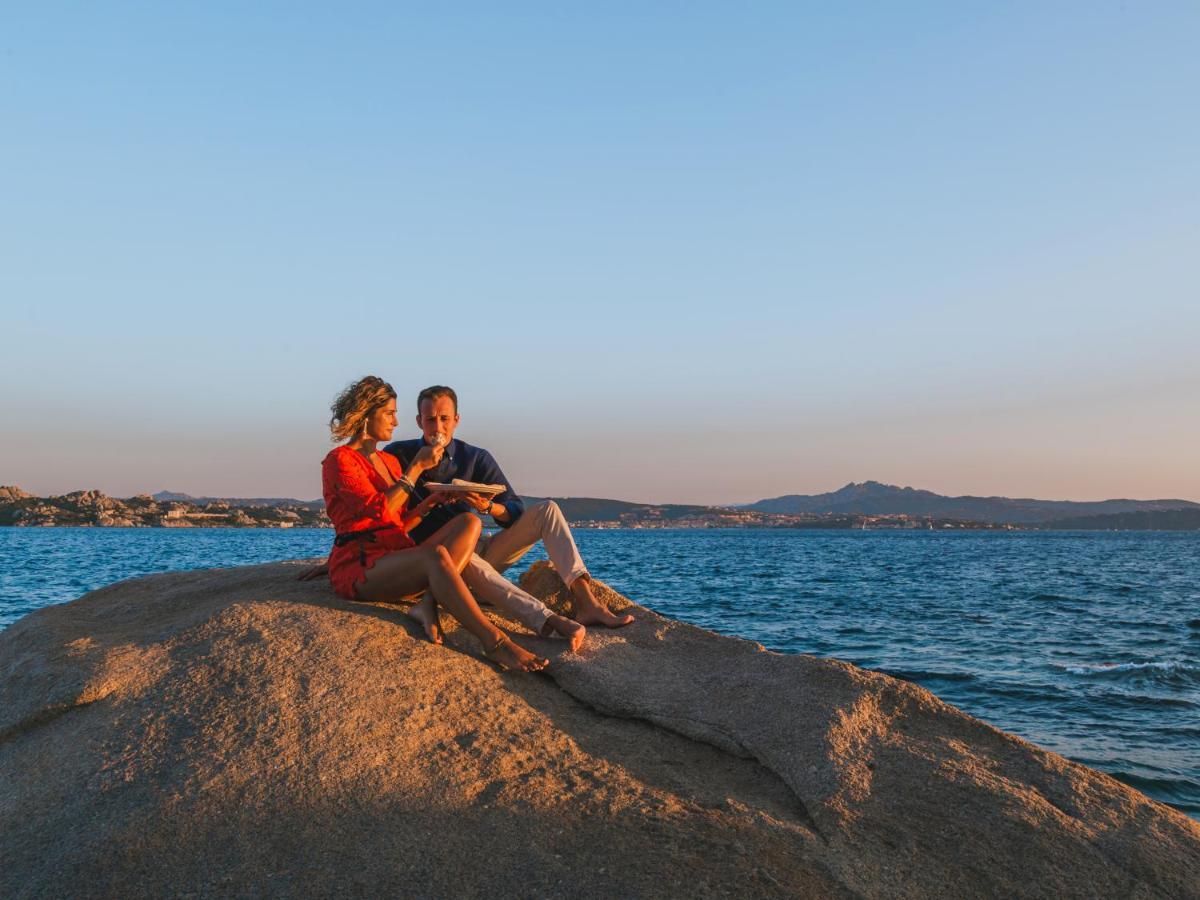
{"points": [[874, 498], [277, 502]]}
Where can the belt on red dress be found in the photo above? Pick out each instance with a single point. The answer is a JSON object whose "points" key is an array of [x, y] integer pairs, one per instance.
{"points": [[362, 536]]}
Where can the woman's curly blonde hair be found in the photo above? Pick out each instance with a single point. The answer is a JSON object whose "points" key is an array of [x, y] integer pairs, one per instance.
{"points": [[355, 404]]}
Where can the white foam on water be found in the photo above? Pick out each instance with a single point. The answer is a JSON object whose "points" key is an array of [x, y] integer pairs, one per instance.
{"points": [[1162, 666]]}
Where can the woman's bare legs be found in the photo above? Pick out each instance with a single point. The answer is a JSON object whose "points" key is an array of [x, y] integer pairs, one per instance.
{"points": [[459, 537], [425, 613], [433, 566]]}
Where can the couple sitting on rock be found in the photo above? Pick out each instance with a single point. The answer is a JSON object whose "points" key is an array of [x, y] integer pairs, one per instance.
{"points": [[396, 539]]}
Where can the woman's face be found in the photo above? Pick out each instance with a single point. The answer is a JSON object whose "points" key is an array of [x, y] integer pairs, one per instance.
{"points": [[382, 422]]}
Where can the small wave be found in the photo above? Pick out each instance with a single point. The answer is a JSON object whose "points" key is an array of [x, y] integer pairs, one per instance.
{"points": [[1023, 684], [1181, 793], [1105, 668], [919, 675], [1139, 702], [1173, 673], [1053, 598]]}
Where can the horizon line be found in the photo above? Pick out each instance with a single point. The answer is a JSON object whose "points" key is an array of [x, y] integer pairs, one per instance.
{"points": [[540, 495]]}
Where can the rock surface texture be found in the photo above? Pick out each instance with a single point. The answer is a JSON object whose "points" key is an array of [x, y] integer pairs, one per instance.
{"points": [[238, 733]]}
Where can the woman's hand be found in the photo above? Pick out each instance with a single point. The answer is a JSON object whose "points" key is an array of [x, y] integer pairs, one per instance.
{"points": [[313, 572], [435, 499]]}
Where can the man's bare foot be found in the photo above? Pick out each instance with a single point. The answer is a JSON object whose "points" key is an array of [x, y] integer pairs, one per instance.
{"points": [[601, 615], [574, 632], [508, 655], [589, 611], [425, 614]]}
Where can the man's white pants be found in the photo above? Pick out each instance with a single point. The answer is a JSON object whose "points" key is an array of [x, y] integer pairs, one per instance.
{"points": [[541, 522]]}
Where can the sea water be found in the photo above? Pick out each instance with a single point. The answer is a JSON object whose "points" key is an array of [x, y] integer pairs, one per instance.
{"points": [[1087, 643]]}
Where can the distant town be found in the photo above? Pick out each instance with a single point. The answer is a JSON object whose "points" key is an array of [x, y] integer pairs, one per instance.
{"points": [[865, 506], [719, 517]]}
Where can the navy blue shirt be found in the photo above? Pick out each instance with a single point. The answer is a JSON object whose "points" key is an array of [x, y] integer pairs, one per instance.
{"points": [[460, 460]]}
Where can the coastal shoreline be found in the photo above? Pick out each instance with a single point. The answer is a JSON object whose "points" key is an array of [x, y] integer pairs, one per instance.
{"points": [[95, 509]]}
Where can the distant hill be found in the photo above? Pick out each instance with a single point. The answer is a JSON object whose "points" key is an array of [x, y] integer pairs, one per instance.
{"points": [[592, 509], [874, 498], [277, 502]]}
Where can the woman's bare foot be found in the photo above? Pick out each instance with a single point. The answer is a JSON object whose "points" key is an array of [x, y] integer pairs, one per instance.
{"points": [[589, 611], [425, 614], [574, 632], [508, 655]]}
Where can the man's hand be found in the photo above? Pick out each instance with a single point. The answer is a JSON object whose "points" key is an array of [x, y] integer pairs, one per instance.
{"points": [[481, 503], [314, 572]]}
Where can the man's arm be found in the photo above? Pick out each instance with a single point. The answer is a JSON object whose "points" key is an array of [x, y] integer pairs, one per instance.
{"points": [[506, 506]]}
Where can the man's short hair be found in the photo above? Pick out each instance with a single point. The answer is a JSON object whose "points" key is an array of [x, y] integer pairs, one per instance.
{"points": [[437, 390]]}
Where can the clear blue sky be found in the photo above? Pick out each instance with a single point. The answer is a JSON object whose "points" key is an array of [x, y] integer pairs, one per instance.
{"points": [[665, 252]]}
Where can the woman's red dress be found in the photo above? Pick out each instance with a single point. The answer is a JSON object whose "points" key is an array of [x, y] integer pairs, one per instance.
{"points": [[355, 501]]}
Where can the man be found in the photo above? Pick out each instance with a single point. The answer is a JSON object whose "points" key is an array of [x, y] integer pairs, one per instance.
{"points": [[521, 528]]}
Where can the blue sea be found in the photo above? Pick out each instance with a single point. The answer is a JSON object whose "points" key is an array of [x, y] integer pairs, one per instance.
{"points": [[1087, 643]]}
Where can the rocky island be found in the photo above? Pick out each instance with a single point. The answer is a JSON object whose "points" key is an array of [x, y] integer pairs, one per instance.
{"points": [[95, 508], [238, 733]]}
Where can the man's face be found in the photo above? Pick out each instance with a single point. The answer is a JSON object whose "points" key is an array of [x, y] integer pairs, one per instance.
{"points": [[437, 416]]}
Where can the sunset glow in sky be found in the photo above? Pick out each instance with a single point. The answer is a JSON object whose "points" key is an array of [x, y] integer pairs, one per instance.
{"points": [[664, 252]]}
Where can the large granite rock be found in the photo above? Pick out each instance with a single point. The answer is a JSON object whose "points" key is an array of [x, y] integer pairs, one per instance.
{"points": [[236, 732], [10, 493]]}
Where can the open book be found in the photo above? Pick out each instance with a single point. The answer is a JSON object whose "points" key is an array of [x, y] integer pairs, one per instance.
{"points": [[458, 486]]}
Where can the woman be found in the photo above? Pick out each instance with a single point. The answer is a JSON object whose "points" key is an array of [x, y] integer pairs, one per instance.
{"points": [[373, 558]]}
